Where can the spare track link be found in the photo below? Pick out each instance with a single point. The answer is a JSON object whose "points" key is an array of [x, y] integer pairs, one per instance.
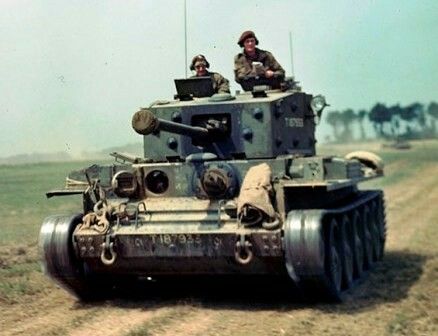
{"points": [[327, 251]]}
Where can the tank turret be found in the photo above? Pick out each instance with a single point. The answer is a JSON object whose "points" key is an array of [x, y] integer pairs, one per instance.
{"points": [[228, 185], [243, 127]]}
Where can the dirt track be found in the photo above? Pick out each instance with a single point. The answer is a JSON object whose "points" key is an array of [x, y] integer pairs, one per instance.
{"points": [[400, 296]]}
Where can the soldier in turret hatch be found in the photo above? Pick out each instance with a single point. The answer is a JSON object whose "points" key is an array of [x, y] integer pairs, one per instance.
{"points": [[255, 66], [200, 65]]}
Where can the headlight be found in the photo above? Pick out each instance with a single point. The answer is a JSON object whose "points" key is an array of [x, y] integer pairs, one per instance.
{"points": [[318, 103], [157, 182], [124, 184]]}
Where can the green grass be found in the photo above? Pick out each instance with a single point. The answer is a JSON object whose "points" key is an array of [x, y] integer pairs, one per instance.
{"points": [[413, 161], [19, 281], [20, 269], [163, 322], [409, 162], [23, 207], [399, 325], [23, 204]]}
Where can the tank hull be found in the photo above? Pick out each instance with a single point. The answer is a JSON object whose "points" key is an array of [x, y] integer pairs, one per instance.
{"points": [[321, 250]]}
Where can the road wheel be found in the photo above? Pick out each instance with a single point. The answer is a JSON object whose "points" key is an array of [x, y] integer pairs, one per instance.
{"points": [[367, 237], [333, 261], [346, 252], [358, 249], [381, 224], [374, 229]]}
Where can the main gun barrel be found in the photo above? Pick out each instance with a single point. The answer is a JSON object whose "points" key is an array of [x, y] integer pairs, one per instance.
{"points": [[145, 122]]}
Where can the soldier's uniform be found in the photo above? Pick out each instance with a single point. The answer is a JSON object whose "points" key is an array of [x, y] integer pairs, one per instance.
{"points": [[243, 65], [220, 83]]}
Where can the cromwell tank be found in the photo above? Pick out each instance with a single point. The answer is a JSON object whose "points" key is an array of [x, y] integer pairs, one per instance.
{"points": [[228, 185]]}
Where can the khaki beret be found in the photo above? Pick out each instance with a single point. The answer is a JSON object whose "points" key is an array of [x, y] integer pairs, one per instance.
{"points": [[247, 34]]}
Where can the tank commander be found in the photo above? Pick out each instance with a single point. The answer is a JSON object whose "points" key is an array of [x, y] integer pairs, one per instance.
{"points": [[200, 65], [255, 66]]}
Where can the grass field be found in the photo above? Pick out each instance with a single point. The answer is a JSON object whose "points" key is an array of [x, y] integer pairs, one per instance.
{"points": [[400, 297], [23, 208]]}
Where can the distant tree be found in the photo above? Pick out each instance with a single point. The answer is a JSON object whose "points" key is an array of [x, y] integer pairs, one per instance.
{"points": [[421, 116], [347, 117], [360, 116], [334, 120], [411, 121], [395, 112], [414, 114], [432, 110], [409, 131], [379, 115], [408, 113]]}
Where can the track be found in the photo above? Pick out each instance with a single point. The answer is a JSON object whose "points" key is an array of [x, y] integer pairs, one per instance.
{"points": [[328, 251]]}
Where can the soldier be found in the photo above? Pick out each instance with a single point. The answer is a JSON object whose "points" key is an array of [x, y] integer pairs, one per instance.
{"points": [[200, 65], [255, 65]]}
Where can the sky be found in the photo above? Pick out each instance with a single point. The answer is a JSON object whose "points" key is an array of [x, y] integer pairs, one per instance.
{"points": [[72, 73]]}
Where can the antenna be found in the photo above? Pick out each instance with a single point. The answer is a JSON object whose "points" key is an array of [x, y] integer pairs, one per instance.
{"points": [[291, 54], [185, 36]]}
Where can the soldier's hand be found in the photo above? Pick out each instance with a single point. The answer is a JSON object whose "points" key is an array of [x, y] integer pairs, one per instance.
{"points": [[269, 73]]}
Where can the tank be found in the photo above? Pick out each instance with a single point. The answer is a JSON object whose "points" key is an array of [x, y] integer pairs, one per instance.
{"points": [[228, 186]]}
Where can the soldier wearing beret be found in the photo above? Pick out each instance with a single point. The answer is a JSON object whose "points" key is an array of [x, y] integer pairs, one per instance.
{"points": [[200, 65], [256, 63]]}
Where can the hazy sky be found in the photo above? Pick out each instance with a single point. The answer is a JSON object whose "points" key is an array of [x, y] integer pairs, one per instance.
{"points": [[72, 73]]}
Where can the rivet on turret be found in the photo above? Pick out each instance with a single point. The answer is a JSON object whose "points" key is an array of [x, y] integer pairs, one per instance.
{"points": [[257, 113], [278, 110], [293, 107], [176, 116], [172, 143], [247, 134]]}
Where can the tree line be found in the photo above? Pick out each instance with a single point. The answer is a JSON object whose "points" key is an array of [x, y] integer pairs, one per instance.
{"points": [[414, 121]]}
